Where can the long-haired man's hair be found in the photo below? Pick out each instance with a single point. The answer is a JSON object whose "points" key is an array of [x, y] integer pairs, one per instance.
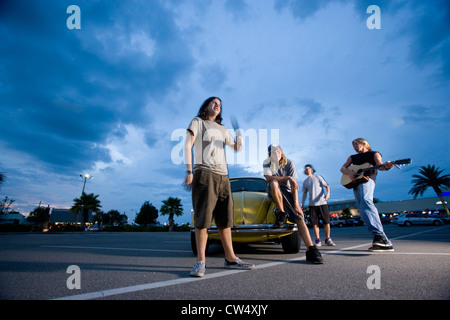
{"points": [[364, 142], [282, 163], [283, 160], [202, 113]]}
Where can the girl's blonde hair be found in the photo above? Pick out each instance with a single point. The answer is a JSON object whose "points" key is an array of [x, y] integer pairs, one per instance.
{"points": [[364, 142]]}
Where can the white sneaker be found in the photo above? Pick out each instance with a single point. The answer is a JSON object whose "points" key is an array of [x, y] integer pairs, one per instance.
{"points": [[198, 270], [318, 243], [329, 242]]}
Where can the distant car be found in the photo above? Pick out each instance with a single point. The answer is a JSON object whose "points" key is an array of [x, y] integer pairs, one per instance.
{"points": [[445, 219], [254, 216], [358, 221], [337, 222], [342, 222], [384, 219], [351, 222], [409, 219], [94, 227]]}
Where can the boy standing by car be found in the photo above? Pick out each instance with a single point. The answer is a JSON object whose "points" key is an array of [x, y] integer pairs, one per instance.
{"points": [[318, 206], [211, 191]]}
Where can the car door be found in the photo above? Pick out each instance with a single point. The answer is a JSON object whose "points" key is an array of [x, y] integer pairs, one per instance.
{"points": [[426, 219]]}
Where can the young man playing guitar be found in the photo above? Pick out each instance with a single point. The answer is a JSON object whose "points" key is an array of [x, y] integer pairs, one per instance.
{"points": [[363, 192]]}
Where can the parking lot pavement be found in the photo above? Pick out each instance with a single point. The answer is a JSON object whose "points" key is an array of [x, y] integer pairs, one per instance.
{"points": [[153, 266]]}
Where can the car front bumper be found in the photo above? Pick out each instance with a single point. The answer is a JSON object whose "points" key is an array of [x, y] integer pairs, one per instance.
{"points": [[254, 232]]}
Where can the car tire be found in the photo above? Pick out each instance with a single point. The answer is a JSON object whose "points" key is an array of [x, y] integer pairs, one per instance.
{"points": [[408, 223], [437, 223], [291, 243]]}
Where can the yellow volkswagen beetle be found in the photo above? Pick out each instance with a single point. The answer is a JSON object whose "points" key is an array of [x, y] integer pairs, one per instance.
{"points": [[254, 216]]}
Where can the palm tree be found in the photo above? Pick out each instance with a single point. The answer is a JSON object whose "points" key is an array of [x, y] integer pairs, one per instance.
{"points": [[147, 215], [84, 204], [171, 206], [430, 177]]}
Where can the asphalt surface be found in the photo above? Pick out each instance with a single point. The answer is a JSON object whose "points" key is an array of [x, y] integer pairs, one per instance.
{"points": [[156, 266]]}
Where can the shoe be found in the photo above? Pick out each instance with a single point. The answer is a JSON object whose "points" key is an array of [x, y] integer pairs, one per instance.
{"points": [[381, 249], [380, 241], [198, 270], [281, 219], [318, 243], [238, 264], [329, 242], [313, 255]]}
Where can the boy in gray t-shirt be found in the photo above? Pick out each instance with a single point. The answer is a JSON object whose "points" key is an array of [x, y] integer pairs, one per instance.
{"points": [[318, 207]]}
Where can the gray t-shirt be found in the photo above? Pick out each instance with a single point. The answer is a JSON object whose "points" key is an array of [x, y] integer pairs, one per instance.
{"points": [[288, 170], [314, 186], [209, 145]]}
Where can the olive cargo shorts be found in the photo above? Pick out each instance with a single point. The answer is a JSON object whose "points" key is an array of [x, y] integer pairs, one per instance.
{"points": [[211, 197]]}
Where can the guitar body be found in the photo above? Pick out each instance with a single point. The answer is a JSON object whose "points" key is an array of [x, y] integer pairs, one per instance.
{"points": [[361, 172]]}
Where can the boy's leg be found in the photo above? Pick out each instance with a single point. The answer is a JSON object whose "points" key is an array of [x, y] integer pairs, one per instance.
{"points": [[201, 238]]}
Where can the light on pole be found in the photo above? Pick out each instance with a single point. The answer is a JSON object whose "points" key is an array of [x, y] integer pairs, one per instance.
{"points": [[85, 177]]}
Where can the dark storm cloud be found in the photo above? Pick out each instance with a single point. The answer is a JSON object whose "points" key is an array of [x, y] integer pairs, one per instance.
{"points": [[301, 9], [431, 36], [64, 92], [238, 8], [427, 26], [435, 116]]}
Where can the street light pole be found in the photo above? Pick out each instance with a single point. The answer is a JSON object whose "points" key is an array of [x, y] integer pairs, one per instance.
{"points": [[85, 177]]}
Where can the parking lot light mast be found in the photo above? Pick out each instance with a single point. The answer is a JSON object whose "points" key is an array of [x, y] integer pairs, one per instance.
{"points": [[85, 177]]}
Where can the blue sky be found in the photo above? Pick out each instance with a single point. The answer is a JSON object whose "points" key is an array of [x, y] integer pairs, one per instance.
{"points": [[111, 98]]}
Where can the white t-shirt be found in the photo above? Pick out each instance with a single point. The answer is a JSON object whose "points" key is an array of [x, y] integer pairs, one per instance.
{"points": [[314, 186], [209, 145]]}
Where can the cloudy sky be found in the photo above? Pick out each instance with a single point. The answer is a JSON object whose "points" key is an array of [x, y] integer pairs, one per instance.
{"points": [[114, 97]]}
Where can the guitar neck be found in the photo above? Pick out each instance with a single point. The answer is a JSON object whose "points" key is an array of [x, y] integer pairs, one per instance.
{"points": [[372, 168], [396, 162]]}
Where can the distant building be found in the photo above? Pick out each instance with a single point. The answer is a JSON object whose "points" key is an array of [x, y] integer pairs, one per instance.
{"points": [[336, 207], [429, 205], [425, 205], [13, 218], [67, 216]]}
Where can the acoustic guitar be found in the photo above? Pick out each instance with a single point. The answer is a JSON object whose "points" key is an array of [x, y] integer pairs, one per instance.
{"points": [[363, 171]]}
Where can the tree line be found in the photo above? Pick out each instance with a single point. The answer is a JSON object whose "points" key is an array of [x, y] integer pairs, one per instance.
{"points": [[429, 177], [148, 214]]}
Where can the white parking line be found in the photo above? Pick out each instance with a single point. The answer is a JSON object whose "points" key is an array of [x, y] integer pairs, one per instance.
{"points": [[167, 283], [111, 248]]}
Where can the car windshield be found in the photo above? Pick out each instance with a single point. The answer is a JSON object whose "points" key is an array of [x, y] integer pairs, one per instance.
{"points": [[248, 184]]}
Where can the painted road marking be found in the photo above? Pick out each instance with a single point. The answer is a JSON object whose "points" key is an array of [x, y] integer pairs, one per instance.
{"points": [[167, 283]]}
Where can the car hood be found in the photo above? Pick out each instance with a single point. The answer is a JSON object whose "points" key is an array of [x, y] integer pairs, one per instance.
{"points": [[251, 207]]}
